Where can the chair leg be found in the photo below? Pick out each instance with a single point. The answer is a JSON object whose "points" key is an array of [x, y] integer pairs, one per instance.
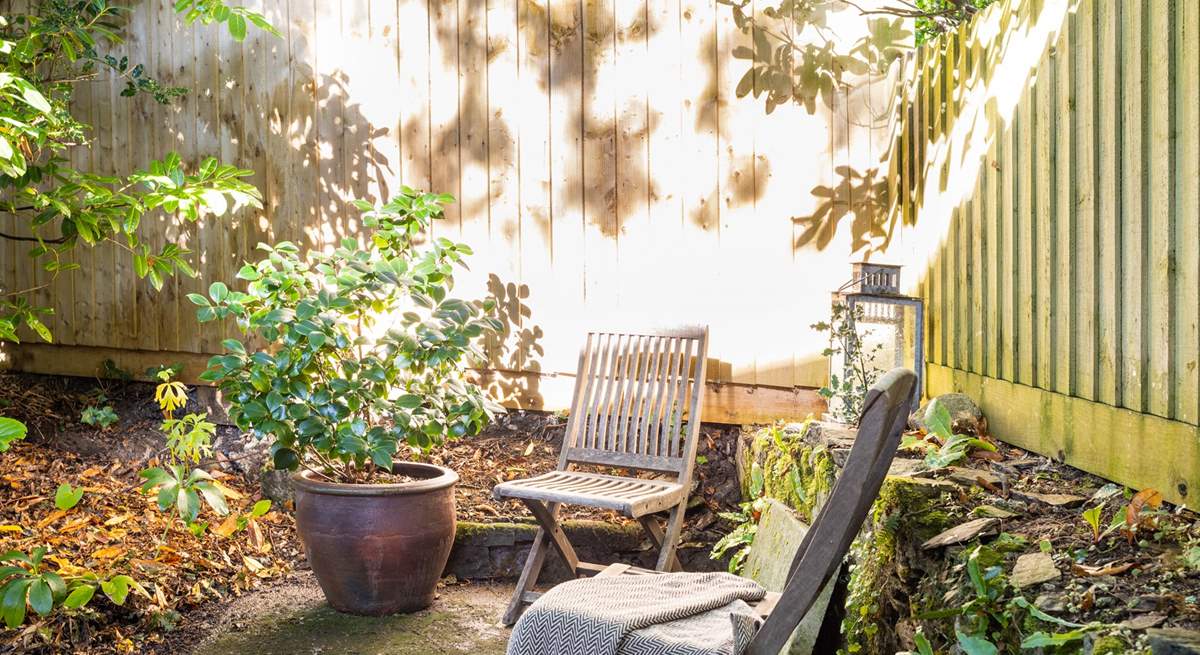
{"points": [[548, 519], [549, 534], [528, 579], [655, 531], [666, 553]]}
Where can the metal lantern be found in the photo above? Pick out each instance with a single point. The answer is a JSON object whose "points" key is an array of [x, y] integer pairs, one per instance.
{"points": [[875, 288]]}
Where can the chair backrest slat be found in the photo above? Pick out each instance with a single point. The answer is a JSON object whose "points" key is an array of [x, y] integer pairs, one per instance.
{"points": [[885, 412], [662, 396], [637, 399]]}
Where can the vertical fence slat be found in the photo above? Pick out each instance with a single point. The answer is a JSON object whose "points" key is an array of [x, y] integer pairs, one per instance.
{"points": [[1063, 269], [1160, 214], [1186, 186], [1042, 212], [1083, 63], [992, 219], [1108, 135], [1133, 161], [1008, 252], [1025, 219]]}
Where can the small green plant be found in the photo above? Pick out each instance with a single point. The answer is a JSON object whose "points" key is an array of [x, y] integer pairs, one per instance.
{"points": [[938, 17], [25, 585], [235, 18], [993, 616], [101, 416], [67, 496], [188, 440], [11, 430], [1091, 516], [745, 523], [177, 487], [1191, 557], [335, 388], [949, 447], [850, 390]]}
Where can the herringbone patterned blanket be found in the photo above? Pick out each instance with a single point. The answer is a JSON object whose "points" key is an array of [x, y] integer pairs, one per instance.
{"points": [[673, 613]]}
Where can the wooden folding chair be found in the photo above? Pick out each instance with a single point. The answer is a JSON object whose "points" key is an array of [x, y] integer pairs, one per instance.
{"points": [[636, 406], [885, 413]]}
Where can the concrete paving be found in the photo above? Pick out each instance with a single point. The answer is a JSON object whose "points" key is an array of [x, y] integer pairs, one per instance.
{"points": [[296, 620]]}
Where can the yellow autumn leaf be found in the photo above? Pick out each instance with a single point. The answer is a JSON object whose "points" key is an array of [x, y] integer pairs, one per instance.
{"points": [[228, 526], [51, 518], [10, 528], [229, 493], [110, 552]]}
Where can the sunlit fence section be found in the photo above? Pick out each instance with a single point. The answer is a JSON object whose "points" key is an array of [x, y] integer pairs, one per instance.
{"points": [[674, 161], [1051, 148]]}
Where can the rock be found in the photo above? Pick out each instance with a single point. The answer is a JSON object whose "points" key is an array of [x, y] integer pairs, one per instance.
{"points": [[277, 486], [1057, 500], [1034, 568], [969, 476], [965, 415], [906, 467], [1051, 602], [961, 533], [1174, 641], [777, 453], [1143, 622], [779, 534], [992, 511]]}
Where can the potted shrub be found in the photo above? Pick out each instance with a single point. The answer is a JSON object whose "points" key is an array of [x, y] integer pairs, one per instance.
{"points": [[352, 364]]}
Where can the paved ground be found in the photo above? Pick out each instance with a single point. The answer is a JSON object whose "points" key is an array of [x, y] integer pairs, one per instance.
{"points": [[293, 620]]}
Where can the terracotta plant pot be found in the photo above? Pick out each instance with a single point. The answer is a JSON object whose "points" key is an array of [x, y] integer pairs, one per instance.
{"points": [[378, 548]]}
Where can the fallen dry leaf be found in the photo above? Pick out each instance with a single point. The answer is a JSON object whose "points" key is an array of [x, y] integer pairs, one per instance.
{"points": [[54, 516], [1095, 571], [111, 552]]}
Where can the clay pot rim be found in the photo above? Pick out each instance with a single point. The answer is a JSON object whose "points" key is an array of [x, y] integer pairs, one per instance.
{"points": [[441, 478]]}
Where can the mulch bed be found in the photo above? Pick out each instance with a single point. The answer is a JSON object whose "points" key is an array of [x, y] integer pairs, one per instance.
{"points": [[1142, 582], [116, 529]]}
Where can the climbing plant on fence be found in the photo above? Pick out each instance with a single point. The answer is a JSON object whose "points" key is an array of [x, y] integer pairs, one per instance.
{"points": [[45, 53], [53, 207]]}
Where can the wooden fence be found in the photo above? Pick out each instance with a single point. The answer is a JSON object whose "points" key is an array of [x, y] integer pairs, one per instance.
{"points": [[606, 164], [1051, 148]]}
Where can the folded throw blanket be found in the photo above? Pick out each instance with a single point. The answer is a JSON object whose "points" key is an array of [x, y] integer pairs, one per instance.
{"points": [[684, 613]]}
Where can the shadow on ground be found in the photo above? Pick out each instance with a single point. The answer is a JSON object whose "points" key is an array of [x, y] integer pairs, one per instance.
{"points": [[297, 620]]}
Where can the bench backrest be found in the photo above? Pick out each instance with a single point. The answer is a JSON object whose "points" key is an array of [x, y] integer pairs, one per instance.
{"points": [[885, 413], [637, 401]]}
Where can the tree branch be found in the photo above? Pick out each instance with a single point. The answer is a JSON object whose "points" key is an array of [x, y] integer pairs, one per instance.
{"points": [[13, 237]]}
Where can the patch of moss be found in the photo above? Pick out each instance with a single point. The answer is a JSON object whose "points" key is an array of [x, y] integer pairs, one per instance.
{"points": [[1110, 645], [797, 473], [887, 560], [321, 629]]}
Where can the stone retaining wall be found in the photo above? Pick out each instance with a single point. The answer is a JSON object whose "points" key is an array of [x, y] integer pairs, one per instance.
{"points": [[487, 551]]}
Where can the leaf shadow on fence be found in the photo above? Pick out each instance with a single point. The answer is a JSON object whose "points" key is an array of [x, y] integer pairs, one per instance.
{"points": [[514, 353]]}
